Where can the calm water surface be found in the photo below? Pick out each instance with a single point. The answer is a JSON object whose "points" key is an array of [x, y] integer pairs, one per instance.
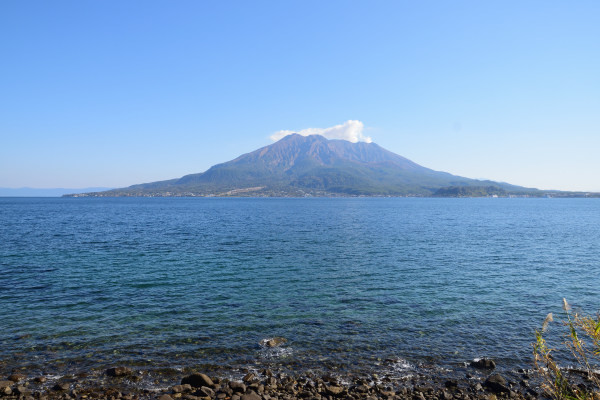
{"points": [[352, 284]]}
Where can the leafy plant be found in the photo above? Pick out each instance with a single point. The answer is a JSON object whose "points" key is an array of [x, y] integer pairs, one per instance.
{"points": [[583, 341]]}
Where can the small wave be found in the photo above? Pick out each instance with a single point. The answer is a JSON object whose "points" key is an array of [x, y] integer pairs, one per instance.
{"points": [[274, 353]]}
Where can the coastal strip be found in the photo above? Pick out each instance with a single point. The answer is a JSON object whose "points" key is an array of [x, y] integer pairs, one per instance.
{"points": [[123, 383]]}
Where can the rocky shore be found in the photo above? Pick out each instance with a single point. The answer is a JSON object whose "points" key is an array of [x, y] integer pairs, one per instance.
{"points": [[123, 383]]}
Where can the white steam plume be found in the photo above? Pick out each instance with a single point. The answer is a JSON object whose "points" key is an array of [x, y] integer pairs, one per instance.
{"points": [[351, 130]]}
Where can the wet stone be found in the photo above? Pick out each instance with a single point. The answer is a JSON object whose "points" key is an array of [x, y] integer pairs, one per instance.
{"points": [[40, 379], [181, 388], [197, 380], [238, 387], [165, 397], [206, 391], [61, 386], [273, 342], [484, 363], [451, 384], [497, 384], [16, 377], [22, 390], [118, 371]]}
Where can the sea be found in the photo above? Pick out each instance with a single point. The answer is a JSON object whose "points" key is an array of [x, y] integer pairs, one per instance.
{"points": [[386, 286]]}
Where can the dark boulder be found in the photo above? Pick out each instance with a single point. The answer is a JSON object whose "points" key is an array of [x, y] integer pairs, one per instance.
{"points": [[484, 363], [497, 384], [197, 380]]}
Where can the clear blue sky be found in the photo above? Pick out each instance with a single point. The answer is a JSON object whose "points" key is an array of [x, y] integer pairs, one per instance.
{"points": [[113, 93]]}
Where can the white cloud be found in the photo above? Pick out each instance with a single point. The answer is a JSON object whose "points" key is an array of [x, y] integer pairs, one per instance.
{"points": [[351, 130]]}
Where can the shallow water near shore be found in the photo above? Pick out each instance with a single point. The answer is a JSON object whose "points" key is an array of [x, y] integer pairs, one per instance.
{"points": [[357, 285]]}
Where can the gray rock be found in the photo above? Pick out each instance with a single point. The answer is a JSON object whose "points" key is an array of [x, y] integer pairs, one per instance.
{"points": [[334, 390], [182, 388], [362, 388], [273, 342], [237, 387], [165, 397], [272, 381], [61, 386], [22, 390], [250, 396], [250, 378], [484, 363], [5, 384], [497, 384], [119, 371], [419, 396], [177, 389], [197, 380], [206, 391], [16, 377]]}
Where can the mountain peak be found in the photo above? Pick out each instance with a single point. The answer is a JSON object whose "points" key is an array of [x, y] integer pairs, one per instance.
{"points": [[299, 165]]}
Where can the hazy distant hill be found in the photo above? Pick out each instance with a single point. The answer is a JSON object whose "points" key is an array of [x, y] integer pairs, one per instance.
{"points": [[53, 192], [312, 165]]}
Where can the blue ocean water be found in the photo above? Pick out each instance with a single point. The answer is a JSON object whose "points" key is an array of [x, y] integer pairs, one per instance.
{"points": [[357, 284]]}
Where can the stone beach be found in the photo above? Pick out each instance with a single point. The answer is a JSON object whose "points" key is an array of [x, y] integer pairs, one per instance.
{"points": [[480, 382]]}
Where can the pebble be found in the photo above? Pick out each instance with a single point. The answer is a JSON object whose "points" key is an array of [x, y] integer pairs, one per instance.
{"points": [[207, 391], [250, 378], [23, 391], [237, 387], [4, 384], [335, 390], [251, 396]]}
